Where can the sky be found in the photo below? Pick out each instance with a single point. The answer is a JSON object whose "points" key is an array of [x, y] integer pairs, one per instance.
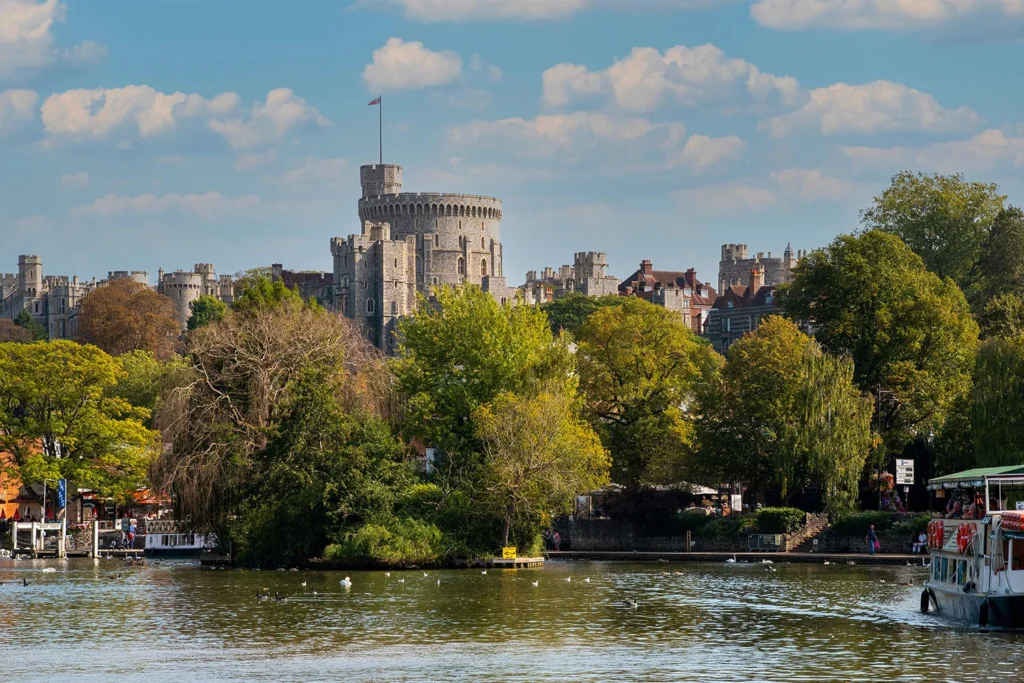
{"points": [[146, 135]]}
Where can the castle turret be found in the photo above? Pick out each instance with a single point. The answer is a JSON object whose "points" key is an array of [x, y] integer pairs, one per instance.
{"points": [[378, 179], [30, 275]]}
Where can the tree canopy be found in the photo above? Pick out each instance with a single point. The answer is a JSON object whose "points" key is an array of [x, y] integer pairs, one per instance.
{"points": [[639, 369], [785, 416], [259, 292], [125, 315], [58, 420], [910, 334], [205, 310], [997, 411], [945, 220], [569, 312], [12, 332], [36, 331]]}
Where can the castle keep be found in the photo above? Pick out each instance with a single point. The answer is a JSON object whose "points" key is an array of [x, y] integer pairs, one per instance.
{"points": [[735, 266], [588, 276], [409, 243]]}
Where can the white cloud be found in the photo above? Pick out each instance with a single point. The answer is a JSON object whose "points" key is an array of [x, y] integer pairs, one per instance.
{"points": [[96, 113], [647, 78], [853, 15], [203, 205], [16, 107], [783, 187], [315, 171], [283, 112], [882, 106], [469, 10], [985, 150], [547, 135], [26, 39], [76, 180], [249, 162], [729, 198], [495, 74], [702, 152], [812, 185], [399, 65]]}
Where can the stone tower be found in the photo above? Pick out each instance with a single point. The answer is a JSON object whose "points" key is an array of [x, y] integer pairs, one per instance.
{"points": [[30, 276]]}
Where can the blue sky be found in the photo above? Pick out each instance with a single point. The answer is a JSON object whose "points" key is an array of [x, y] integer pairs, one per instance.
{"points": [[160, 134]]}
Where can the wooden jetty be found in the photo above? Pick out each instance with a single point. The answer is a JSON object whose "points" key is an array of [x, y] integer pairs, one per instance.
{"points": [[510, 563], [211, 560]]}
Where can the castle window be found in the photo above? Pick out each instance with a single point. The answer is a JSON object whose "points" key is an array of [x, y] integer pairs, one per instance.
{"points": [[437, 239], [461, 270], [369, 306], [483, 244], [727, 324], [396, 263], [483, 267], [434, 280], [394, 308], [769, 298]]}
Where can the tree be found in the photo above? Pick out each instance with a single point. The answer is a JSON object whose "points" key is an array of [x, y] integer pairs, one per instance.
{"points": [[569, 312], [786, 415], [537, 456], [1001, 266], [944, 219], [205, 310], [996, 407], [1002, 316], [58, 421], [639, 368], [12, 332], [258, 292], [24, 320], [143, 379], [245, 371], [910, 334], [462, 352], [125, 316]]}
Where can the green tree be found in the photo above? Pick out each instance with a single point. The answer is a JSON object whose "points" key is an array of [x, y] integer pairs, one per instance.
{"points": [[569, 312], [944, 219], [910, 333], [24, 320], [785, 416], [639, 368], [58, 421], [144, 379], [205, 310], [1002, 316], [537, 456], [325, 474], [259, 292], [997, 411], [460, 354], [1001, 266]]}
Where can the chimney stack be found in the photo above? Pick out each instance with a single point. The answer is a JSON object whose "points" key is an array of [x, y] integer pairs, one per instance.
{"points": [[756, 279], [645, 267]]}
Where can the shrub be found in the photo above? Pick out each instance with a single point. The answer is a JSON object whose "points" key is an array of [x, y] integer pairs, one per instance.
{"points": [[779, 520], [399, 543], [913, 526], [722, 526], [857, 523]]}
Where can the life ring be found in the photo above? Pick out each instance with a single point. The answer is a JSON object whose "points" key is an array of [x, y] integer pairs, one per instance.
{"points": [[936, 531], [964, 536]]}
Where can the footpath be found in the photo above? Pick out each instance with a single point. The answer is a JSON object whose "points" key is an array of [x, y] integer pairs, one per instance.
{"points": [[750, 557]]}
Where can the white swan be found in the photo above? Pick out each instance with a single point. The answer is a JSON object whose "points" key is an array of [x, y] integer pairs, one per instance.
{"points": [[568, 578], [387, 574], [732, 560], [401, 581], [484, 571], [346, 582], [535, 583], [586, 580], [49, 570]]}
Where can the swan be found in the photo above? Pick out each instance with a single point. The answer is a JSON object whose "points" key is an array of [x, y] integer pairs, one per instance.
{"points": [[586, 580], [49, 570], [387, 574], [731, 560], [484, 571], [568, 579], [425, 575], [401, 581], [767, 562], [535, 583], [346, 582], [827, 562], [303, 584], [439, 582]]}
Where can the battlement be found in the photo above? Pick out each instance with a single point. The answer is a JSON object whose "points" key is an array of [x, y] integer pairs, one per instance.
{"points": [[430, 204], [734, 252], [380, 179]]}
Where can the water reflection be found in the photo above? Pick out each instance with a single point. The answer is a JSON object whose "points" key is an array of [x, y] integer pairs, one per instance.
{"points": [[99, 620]]}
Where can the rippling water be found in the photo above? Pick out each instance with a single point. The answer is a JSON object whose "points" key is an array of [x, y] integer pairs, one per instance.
{"points": [[175, 621]]}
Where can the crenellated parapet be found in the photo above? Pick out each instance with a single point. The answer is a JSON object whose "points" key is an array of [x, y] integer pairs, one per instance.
{"points": [[429, 205]]}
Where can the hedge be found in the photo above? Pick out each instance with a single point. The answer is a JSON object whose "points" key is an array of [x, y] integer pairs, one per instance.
{"points": [[779, 520], [857, 523]]}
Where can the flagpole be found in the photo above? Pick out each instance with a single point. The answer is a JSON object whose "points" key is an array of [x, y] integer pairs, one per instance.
{"points": [[380, 129]]}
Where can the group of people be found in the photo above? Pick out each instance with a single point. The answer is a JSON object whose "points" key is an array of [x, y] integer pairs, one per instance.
{"points": [[966, 508]]}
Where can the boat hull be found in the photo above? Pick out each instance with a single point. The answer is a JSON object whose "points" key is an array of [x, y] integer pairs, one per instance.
{"points": [[998, 611], [174, 552]]}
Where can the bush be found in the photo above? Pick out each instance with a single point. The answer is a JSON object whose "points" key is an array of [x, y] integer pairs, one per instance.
{"points": [[857, 523], [913, 526], [779, 520], [722, 526], [400, 543]]}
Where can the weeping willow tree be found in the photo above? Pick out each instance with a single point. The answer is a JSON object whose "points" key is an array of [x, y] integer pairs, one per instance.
{"points": [[785, 416], [997, 406], [835, 434]]}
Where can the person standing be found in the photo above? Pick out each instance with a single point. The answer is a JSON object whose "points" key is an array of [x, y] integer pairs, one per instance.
{"points": [[872, 540]]}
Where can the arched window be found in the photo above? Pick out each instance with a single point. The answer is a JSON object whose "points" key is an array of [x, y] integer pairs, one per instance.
{"points": [[369, 306], [437, 240], [462, 266], [483, 267], [434, 280]]}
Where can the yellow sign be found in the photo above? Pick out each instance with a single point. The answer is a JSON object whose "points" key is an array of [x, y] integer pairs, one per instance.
{"points": [[509, 553]]}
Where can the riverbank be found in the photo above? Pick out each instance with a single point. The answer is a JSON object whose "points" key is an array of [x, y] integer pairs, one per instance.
{"points": [[774, 557]]}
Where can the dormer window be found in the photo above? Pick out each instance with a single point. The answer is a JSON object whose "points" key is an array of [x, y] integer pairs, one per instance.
{"points": [[728, 304]]}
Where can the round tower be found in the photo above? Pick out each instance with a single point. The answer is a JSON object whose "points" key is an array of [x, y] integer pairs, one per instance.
{"points": [[182, 289]]}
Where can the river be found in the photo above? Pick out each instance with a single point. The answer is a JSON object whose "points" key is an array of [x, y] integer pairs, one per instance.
{"points": [[101, 620]]}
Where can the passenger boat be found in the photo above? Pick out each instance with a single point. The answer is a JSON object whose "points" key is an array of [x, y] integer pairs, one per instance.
{"points": [[165, 538], [977, 548]]}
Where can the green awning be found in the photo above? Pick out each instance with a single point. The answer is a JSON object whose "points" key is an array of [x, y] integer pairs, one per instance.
{"points": [[977, 475]]}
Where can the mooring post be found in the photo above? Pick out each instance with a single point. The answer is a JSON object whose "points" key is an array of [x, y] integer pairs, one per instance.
{"points": [[95, 538], [14, 537], [62, 548]]}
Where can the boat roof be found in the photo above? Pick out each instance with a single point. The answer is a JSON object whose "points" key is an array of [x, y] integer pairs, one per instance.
{"points": [[976, 476]]}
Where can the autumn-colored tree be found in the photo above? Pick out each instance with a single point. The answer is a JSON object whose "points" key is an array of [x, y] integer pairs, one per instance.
{"points": [[126, 316], [12, 332]]}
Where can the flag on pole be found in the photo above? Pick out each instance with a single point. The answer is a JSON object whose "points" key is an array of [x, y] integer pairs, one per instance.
{"points": [[373, 102]]}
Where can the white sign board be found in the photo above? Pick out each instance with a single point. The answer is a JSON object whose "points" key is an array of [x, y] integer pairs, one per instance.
{"points": [[904, 472]]}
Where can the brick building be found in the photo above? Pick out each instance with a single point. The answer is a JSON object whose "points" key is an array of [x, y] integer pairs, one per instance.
{"points": [[678, 291]]}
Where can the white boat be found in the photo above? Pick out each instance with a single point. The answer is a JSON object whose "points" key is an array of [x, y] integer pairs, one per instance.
{"points": [[977, 554], [164, 538]]}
